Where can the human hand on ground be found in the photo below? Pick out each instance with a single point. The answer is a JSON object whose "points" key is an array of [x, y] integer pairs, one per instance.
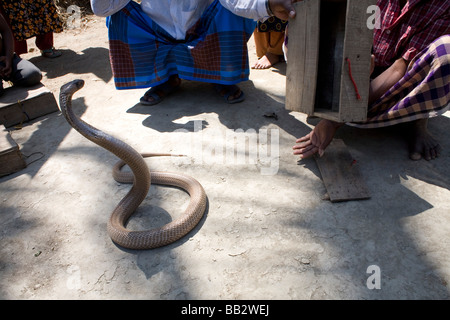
{"points": [[317, 140]]}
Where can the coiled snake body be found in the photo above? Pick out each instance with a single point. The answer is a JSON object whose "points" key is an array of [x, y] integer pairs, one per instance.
{"points": [[141, 178]]}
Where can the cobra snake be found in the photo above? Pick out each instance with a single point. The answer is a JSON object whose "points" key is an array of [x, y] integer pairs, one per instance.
{"points": [[141, 177]]}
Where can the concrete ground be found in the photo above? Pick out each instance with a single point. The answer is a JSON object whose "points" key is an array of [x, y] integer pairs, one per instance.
{"points": [[268, 232]]}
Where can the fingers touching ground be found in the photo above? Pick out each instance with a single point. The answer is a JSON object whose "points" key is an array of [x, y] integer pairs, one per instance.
{"points": [[317, 140]]}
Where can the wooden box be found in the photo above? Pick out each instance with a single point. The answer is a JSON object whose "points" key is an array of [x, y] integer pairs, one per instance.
{"points": [[11, 159], [18, 104], [328, 59]]}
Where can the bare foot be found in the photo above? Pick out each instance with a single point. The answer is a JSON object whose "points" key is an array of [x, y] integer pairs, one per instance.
{"points": [[423, 145], [317, 140], [267, 61]]}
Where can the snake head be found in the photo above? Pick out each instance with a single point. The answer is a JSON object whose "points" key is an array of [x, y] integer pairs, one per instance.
{"points": [[72, 86]]}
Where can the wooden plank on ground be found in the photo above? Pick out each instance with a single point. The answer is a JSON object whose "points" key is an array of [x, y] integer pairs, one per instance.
{"points": [[11, 159], [341, 174], [18, 104]]}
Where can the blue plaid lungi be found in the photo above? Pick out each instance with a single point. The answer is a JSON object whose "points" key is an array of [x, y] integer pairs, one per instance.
{"points": [[142, 54]]}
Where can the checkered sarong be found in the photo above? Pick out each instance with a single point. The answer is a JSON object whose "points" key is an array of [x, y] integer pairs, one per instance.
{"points": [[423, 92], [142, 54]]}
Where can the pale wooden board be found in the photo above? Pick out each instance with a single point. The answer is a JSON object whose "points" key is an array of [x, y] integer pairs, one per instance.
{"points": [[357, 48], [18, 104], [302, 56], [341, 174]]}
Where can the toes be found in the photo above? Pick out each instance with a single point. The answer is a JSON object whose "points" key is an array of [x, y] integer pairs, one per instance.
{"points": [[435, 151], [428, 153], [438, 150], [415, 156], [432, 150]]}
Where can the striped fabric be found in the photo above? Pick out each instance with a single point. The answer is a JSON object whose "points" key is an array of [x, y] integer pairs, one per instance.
{"points": [[407, 30], [143, 55], [423, 92]]}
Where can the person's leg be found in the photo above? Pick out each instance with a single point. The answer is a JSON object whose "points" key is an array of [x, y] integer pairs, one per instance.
{"points": [[20, 47], [45, 43], [423, 92], [221, 57], [271, 43], [230, 93], [25, 73], [142, 55], [157, 93], [422, 144], [261, 42]]}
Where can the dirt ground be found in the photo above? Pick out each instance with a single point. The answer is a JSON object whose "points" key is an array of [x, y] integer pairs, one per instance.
{"points": [[268, 232]]}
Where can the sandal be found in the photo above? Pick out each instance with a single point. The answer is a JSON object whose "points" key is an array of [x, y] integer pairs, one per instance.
{"points": [[159, 92], [227, 91], [51, 53]]}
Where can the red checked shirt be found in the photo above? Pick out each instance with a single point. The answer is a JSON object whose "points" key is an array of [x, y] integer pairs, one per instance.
{"points": [[406, 31]]}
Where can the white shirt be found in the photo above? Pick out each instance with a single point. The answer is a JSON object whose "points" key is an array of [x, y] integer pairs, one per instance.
{"points": [[177, 16]]}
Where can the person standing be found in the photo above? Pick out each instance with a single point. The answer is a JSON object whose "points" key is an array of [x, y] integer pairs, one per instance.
{"points": [[160, 42], [33, 18]]}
